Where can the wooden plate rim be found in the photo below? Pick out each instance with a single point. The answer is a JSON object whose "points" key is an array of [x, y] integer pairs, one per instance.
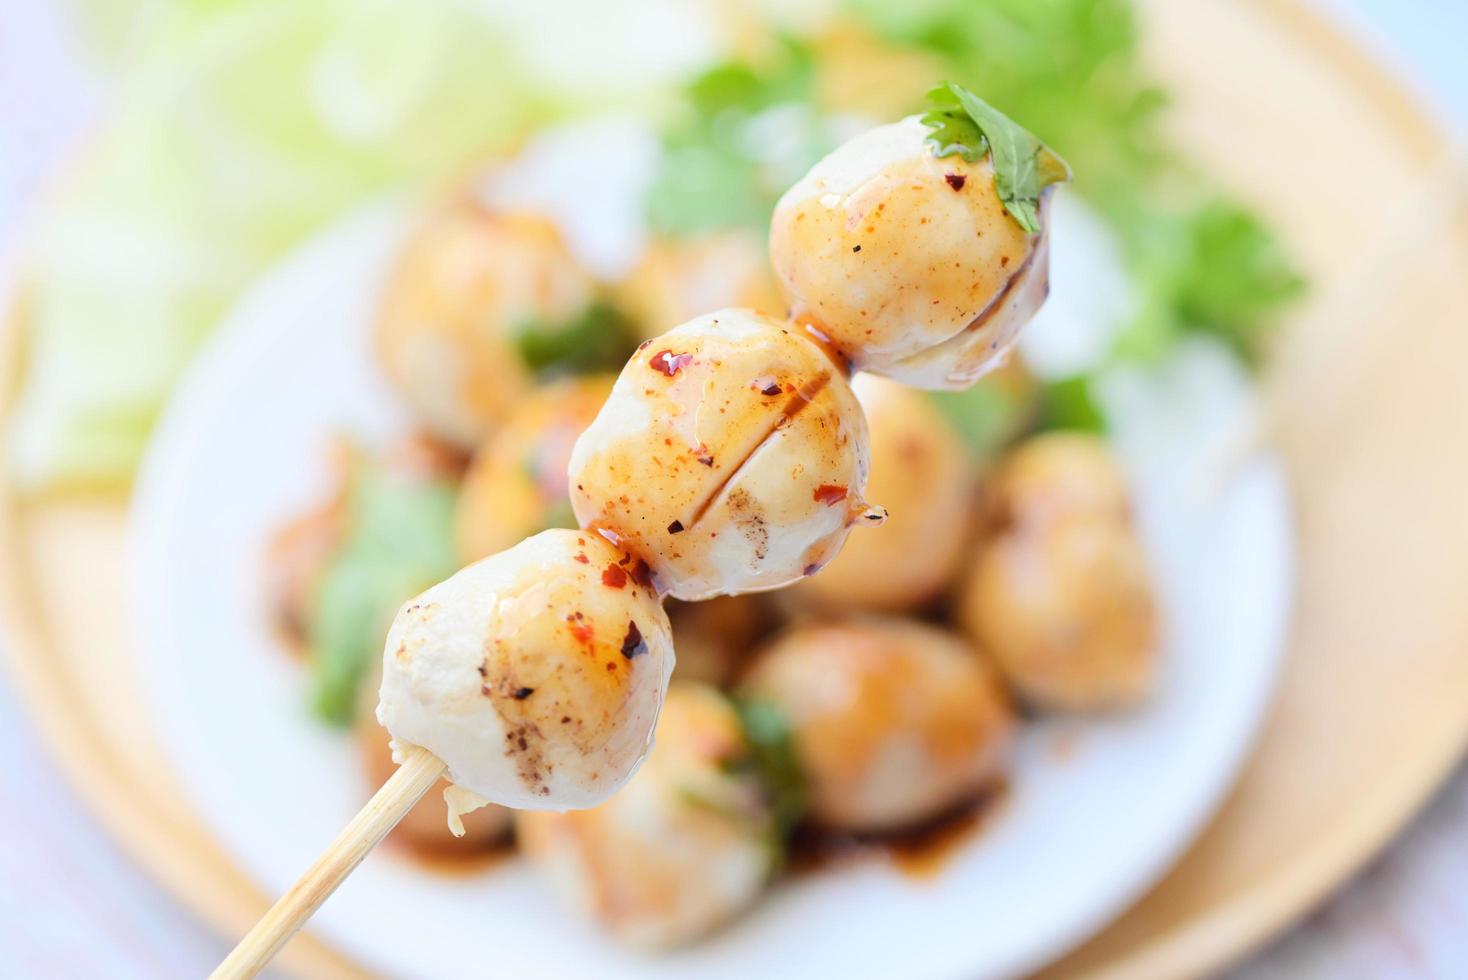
{"points": [[1207, 942]]}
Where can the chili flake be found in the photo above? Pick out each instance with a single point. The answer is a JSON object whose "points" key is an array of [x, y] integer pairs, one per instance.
{"points": [[666, 362], [829, 494]]}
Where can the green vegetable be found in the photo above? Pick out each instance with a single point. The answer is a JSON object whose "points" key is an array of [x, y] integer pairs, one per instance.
{"points": [[772, 750], [239, 128], [398, 541], [597, 339], [748, 130], [1072, 70], [988, 415], [1067, 404], [1215, 269], [965, 124]]}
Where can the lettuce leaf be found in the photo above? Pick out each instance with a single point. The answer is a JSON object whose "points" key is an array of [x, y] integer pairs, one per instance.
{"points": [[239, 128]]}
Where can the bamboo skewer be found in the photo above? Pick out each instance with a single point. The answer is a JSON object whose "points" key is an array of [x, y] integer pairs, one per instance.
{"points": [[419, 771]]}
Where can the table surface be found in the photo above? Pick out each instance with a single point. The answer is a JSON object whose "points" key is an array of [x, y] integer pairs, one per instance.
{"points": [[72, 905]]}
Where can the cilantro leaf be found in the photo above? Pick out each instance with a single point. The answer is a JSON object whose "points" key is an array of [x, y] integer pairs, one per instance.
{"points": [[953, 130], [748, 130], [1067, 404], [399, 540], [596, 339], [1199, 261], [772, 749], [965, 124]]}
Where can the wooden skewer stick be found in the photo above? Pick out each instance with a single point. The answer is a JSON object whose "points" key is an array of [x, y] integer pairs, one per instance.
{"points": [[420, 770]]}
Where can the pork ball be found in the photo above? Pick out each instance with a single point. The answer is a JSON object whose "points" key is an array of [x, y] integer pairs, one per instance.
{"points": [[465, 289], [425, 830], [1059, 474], [893, 722], [1060, 594], [685, 846], [678, 279], [731, 455], [908, 262], [516, 483], [535, 674], [922, 473]]}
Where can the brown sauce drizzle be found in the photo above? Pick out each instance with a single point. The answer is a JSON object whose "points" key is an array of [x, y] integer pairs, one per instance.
{"points": [[802, 397], [920, 852], [828, 346], [997, 303]]}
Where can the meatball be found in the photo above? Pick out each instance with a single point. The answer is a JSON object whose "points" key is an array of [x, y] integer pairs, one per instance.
{"points": [[1060, 474], [893, 722], [922, 473], [464, 289], [535, 674], [684, 847], [908, 262], [680, 278], [731, 455], [425, 829], [1060, 594], [516, 484]]}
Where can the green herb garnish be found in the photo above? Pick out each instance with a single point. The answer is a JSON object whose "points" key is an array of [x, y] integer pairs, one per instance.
{"points": [[1067, 404], [748, 130], [1073, 71], [399, 540], [965, 124], [772, 751], [596, 339]]}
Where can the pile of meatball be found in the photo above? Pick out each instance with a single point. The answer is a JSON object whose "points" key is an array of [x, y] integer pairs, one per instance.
{"points": [[732, 456]]}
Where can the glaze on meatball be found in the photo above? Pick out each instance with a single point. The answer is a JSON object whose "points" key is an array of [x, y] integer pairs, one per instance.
{"points": [[465, 283], [1060, 594], [685, 846], [731, 455], [535, 674], [922, 473], [893, 721], [908, 262]]}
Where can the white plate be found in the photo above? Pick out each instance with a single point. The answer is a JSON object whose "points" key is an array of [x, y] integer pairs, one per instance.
{"points": [[1084, 831]]}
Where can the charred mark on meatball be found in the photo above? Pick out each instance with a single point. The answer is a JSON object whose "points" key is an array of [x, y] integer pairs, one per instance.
{"points": [[633, 645]]}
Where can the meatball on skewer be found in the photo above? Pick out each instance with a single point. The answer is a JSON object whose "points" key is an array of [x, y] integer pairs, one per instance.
{"points": [[730, 457]]}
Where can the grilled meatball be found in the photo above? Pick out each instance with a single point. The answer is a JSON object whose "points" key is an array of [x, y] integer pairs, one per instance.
{"points": [[535, 674], [685, 846], [893, 722], [731, 455], [908, 262], [1059, 593], [465, 290]]}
